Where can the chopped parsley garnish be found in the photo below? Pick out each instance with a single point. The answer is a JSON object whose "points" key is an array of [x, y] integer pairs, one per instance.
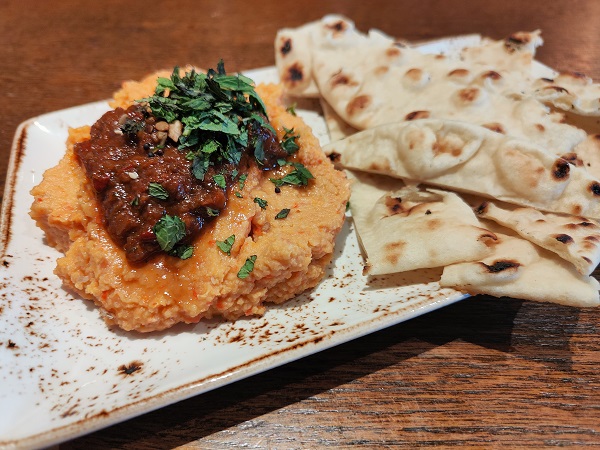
{"points": [[247, 268], [156, 190], [283, 213], [292, 109], [262, 203], [298, 177], [242, 181], [135, 201], [226, 245], [182, 251], [216, 111], [220, 180], [238, 194], [169, 230], [288, 143]]}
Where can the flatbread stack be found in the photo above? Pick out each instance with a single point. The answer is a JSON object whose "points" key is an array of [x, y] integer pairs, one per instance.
{"points": [[464, 160]]}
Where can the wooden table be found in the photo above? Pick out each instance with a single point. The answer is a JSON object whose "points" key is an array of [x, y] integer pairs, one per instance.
{"points": [[483, 373]]}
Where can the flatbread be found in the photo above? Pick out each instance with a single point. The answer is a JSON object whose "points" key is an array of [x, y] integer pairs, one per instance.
{"points": [[294, 49], [575, 239], [404, 228], [573, 92], [336, 127], [519, 269], [472, 159], [371, 85]]}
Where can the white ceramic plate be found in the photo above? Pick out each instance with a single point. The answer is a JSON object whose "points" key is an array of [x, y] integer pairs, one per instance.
{"points": [[63, 373]]}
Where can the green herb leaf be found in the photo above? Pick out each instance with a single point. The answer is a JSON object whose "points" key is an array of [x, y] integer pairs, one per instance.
{"points": [[220, 180], [242, 181], [288, 142], [292, 109], [215, 110], [238, 194], [158, 191], [169, 230], [283, 213], [247, 268], [182, 251], [226, 245], [200, 165], [259, 151], [298, 177], [262, 203]]}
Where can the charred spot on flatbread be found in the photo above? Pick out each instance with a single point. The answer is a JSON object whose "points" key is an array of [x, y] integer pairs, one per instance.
{"points": [[491, 75], [414, 74], [556, 88], [444, 145], [495, 126], [393, 52], [334, 157], [469, 95], [573, 159], [561, 169], [564, 238], [394, 205], [595, 188], [459, 75], [517, 41], [294, 74], [501, 266], [393, 251], [482, 208], [358, 104], [488, 238], [381, 70], [417, 115], [337, 27], [341, 79], [286, 47], [380, 166]]}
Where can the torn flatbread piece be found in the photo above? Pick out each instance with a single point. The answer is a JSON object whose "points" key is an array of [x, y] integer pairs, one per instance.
{"points": [[472, 159], [403, 228], [576, 239], [573, 92], [519, 269], [294, 49]]}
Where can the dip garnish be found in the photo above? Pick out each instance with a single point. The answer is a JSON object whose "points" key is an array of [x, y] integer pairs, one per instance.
{"points": [[247, 268], [260, 202], [164, 167], [282, 214], [226, 245]]}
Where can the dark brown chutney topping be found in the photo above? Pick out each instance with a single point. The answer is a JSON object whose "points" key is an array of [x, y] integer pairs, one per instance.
{"points": [[127, 152]]}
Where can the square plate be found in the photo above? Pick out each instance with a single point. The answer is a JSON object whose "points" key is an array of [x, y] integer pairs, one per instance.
{"points": [[64, 373]]}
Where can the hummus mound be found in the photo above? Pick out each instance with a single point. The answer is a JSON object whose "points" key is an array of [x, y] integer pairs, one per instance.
{"points": [[292, 253]]}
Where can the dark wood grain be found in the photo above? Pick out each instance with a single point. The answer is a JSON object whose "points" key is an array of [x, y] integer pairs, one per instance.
{"points": [[482, 373]]}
